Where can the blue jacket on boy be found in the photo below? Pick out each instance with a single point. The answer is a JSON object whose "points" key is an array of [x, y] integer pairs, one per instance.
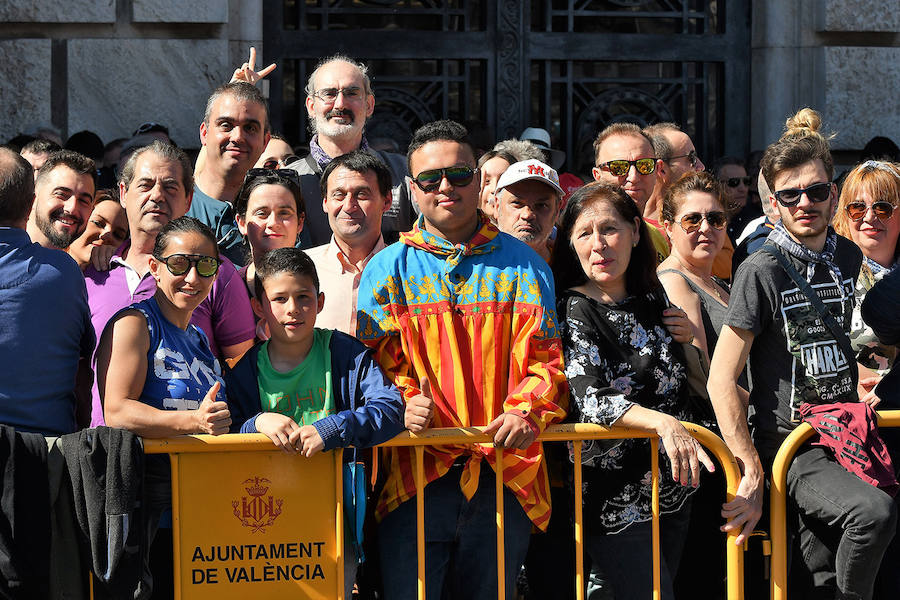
{"points": [[369, 407]]}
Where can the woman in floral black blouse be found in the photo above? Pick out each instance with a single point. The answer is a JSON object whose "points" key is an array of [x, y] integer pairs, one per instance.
{"points": [[624, 369]]}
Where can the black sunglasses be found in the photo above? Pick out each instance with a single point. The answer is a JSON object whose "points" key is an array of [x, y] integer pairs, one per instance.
{"points": [[273, 163], [288, 174], [817, 192], [736, 181], [430, 180], [179, 264]]}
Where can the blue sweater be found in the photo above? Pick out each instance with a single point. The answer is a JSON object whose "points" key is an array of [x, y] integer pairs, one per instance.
{"points": [[369, 407]]}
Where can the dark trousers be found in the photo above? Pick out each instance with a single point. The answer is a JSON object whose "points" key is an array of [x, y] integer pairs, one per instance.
{"points": [[828, 500], [625, 559], [460, 542]]}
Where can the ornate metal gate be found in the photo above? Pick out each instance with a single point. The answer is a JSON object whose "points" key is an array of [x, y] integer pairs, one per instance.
{"points": [[569, 66]]}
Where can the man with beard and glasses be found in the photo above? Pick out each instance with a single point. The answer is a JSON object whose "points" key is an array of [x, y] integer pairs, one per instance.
{"points": [[64, 199], [528, 198], [789, 312], [234, 133], [339, 99]]}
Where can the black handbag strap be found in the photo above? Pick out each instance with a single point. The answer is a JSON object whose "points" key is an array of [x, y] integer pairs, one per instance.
{"points": [[839, 334]]}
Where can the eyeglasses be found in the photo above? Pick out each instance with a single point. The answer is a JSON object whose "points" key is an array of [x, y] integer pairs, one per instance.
{"points": [[429, 181], [329, 95], [691, 156], [882, 209], [273, 162], [288, 174], [691, 222], [179, 264], [736, 181], [817, 192], [620, 167]]}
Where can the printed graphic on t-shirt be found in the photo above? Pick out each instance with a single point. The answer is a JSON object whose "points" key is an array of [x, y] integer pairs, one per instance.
{"points": [[820, 373], [188, 382], [305, 407]]}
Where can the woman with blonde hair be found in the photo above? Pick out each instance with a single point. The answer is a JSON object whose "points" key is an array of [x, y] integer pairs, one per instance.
{"points": [[867, 214]]}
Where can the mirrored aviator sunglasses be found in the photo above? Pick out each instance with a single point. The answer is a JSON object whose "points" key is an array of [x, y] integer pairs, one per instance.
{"points": [[882, 209], [620, 168], [691, 222], [818, 192], [179, 264], [430, 181]]}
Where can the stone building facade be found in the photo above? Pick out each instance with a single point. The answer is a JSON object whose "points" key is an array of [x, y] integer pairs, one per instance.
{"points": [[109, 65]]}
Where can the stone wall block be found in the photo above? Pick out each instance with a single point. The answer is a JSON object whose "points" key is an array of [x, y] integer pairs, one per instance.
{"points": [[58, 11], [115, 85], [166, 11], [861, 15], [862, 94], [25, 93]]}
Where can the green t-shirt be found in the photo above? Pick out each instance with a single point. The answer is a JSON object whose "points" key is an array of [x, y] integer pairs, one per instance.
{"points": [[303, 393]]}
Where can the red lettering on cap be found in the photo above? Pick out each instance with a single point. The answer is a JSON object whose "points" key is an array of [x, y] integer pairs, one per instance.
{"points": [[536, 170]]}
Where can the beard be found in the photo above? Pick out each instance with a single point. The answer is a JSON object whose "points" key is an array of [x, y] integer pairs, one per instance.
{"points": [[58, 239], [321, 125]]}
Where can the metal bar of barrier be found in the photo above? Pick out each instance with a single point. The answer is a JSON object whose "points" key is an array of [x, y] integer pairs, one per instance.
{"points": [[579, 525], [473, 435], [498, 492], [778, 498], [654, 516]]}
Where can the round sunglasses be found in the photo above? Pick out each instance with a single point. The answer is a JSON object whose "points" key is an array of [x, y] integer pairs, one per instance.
{"points": [[430, 180], [817, 192], [620, 167], [857, 210], [179, 264], [691, 222]]}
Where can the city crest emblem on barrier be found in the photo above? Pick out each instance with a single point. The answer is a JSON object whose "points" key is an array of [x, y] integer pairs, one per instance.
{"points": [[260, 509]]}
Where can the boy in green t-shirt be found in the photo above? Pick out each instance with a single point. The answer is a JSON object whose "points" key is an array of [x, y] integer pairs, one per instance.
{"points": [[312, 389], [308, 389]]}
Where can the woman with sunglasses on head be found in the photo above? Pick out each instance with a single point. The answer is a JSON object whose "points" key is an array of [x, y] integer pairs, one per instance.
{"points": [[269, 212], [624, 370], [156, 373], [867, 214]]}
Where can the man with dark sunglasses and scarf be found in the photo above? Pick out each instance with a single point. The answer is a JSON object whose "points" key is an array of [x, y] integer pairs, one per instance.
{"points": [[339, 101], [460, 317], [797, 358]]}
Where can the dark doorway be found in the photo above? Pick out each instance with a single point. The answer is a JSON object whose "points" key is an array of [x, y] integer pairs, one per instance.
{"points": [[569, 66]]}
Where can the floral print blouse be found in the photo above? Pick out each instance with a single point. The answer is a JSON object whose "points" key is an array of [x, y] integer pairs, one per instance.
{"points": [[617, 356]]}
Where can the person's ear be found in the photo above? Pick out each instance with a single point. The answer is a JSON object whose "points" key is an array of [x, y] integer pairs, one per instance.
{"points": [[637, 230], [154, 268], [204, 130], [321, 302], [256, 305]]}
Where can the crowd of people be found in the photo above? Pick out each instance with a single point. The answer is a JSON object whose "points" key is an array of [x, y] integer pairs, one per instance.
{"points": [[336, 297]]}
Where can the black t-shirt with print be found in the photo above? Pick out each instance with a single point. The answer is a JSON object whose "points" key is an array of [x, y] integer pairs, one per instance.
{"points": [[794, 358]]}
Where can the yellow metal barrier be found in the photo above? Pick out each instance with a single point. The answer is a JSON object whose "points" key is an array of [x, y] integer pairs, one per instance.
{"points": [[475, 435], [778, 498]]}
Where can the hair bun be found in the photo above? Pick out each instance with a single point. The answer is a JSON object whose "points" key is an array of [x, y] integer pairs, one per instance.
{"points": [[804, 122]]}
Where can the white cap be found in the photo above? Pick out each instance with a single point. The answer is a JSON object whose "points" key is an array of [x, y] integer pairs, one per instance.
{"points": [[529, 169]]}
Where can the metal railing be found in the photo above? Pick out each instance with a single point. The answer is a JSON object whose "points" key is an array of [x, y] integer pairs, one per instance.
{"points": [[475, 435], [778, 498]]}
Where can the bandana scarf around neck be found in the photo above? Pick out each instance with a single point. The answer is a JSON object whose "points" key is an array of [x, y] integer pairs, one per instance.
{"points": [[781, 238]]}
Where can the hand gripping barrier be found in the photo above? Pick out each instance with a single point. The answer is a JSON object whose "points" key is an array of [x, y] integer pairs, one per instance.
{"points": [[778, 498], [474, 435]]}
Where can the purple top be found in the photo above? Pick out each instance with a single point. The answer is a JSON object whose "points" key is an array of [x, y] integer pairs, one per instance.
{"points": [[225, 316]]}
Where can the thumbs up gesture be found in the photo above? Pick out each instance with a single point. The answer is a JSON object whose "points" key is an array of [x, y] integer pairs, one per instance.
{"points": [[419, 408], [213, 417]]}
